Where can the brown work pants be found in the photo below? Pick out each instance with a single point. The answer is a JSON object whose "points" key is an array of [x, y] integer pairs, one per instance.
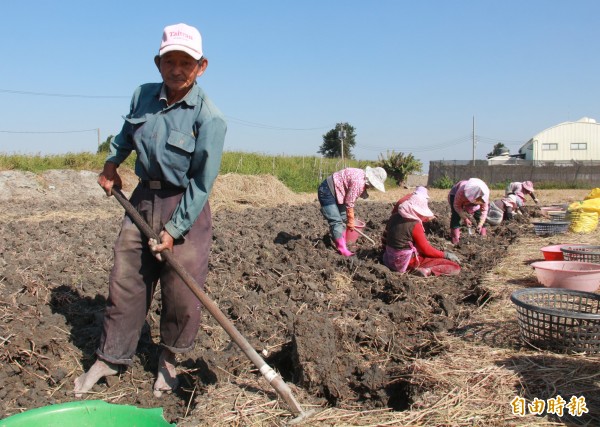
{"points": [[136, 273]]}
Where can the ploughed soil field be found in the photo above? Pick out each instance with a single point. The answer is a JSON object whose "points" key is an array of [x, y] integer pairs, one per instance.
{"points": [[347, 335]]}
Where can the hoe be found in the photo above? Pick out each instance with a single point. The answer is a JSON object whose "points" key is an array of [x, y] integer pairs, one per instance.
{"points": [[268, 373]]}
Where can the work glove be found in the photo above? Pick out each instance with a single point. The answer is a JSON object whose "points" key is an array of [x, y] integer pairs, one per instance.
{"points": [[467, 221], [350, 221], [535, 200], [480, 227], [451, 256]]}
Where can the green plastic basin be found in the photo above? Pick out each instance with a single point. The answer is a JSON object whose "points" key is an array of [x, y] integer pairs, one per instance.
{"points": [[88, 413]]}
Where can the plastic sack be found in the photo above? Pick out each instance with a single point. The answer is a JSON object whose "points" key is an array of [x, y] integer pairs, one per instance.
{"points": [[583, 222], [495, 215], [588, 205], [594, 194]]}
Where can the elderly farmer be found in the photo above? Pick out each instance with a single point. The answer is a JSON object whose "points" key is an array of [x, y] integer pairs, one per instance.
{"points": [[521, 189], [178, 136], [338, 194], [503, 209], [468, 198], [407, 247]]}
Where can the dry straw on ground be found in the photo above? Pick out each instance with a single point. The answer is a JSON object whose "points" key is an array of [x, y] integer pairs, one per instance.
{"points": [[477, 377], [235, 191]]}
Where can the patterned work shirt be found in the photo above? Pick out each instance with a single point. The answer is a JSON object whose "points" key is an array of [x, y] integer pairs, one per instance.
{"points": [[349, 185]]}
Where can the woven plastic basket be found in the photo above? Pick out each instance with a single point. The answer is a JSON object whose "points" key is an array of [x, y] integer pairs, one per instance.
{"points": [[560, 320], [585, 253], [549, 228]]}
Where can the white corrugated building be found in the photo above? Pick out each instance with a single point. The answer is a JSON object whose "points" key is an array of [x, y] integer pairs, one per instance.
{"points": [[568, 141]]}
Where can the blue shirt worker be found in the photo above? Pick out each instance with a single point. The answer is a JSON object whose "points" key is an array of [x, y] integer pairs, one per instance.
{"points": [[178, 135]]}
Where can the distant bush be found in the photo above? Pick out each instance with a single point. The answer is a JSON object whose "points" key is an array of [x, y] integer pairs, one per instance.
{"points": [[399, 165], [562, 186], [105, 146], [444, 183], [499, 185]]}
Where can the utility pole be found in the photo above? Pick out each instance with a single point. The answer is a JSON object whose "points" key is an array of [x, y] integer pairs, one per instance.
{"points": [[341, 136], [98, 137], [474, 142]]}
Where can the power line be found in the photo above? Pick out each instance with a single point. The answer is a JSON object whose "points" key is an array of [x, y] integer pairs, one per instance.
{"points": [[420, 148], [487, 140], [271, 127], [439, 146], [58, 131], [253, 124], [233, 119], [59, 95]]}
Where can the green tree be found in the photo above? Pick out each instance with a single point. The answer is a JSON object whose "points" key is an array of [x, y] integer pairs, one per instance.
{"points": [[498, 149], [399, 165], [332, 141], [105, 146]]}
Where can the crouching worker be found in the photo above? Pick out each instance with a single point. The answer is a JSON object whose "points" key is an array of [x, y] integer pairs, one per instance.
{"points": [[338, 194], [406, 246], [521, 189], [503, 209], [466, 198]]}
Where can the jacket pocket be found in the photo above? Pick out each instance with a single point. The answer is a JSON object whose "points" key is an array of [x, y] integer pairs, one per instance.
{"points": [[179, 149]]}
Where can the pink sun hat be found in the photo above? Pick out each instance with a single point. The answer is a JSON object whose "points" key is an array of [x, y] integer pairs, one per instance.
{"points": [[528, 186]]}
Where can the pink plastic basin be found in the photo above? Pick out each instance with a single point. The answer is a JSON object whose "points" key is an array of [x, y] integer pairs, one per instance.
{"points": [[553, 252], [576, 275], [353, 235]]}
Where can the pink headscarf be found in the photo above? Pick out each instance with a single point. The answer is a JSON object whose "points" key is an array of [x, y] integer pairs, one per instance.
{"points": [[476, 188], [415, 208], [422, 191]]}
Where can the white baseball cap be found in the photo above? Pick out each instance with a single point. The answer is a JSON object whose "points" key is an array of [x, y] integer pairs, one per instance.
{"points": [[181, 37]]}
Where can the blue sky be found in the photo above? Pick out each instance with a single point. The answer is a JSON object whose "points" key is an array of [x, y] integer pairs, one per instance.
{"points": [[410, 76]]}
